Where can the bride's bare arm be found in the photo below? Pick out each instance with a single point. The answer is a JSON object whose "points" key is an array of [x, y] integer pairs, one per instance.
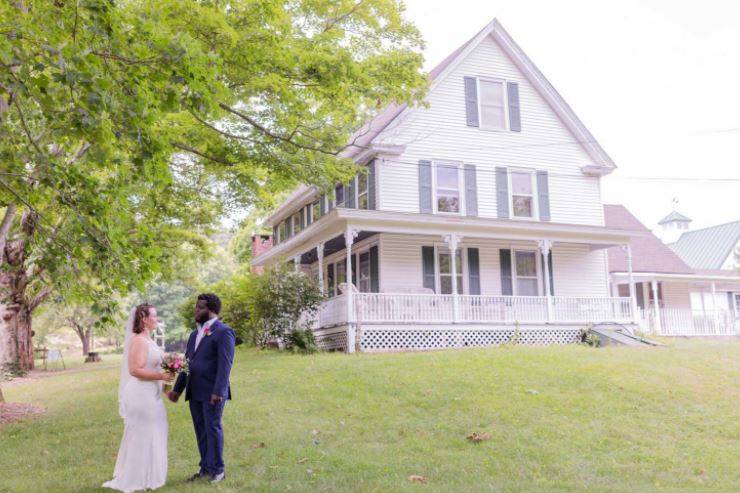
{"points": [[137, 362]]}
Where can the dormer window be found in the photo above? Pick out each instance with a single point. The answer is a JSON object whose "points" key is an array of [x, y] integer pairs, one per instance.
{"points": [[297, 223], [339, 196]]}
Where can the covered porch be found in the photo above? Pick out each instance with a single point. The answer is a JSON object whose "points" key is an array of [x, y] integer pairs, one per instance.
{"points": [[533, 282], [701, 304]]}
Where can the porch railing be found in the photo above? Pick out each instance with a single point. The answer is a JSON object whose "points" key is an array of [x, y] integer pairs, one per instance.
{"points": [[434, 308], [687, 322]]}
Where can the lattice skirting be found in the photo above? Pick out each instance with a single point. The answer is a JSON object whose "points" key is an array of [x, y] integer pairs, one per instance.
{"points": [[377, 339], [331, 339]]}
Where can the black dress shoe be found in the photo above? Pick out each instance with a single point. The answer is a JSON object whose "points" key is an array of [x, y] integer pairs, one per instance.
{"points": [[217, 478], [198, 475]]}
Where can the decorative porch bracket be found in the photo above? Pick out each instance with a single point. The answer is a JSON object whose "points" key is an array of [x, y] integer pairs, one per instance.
{"points": [[349, 237], [545, 248], [453, 241]]}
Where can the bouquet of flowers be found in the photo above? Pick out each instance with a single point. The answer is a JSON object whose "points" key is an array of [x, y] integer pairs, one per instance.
{"points": [[174, 363]]}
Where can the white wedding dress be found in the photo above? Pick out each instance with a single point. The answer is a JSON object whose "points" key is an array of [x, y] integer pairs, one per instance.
{"points": [[142, 457]]}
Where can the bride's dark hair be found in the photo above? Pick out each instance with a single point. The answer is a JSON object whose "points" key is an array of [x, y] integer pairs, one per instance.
{"points": [[142, 311]]}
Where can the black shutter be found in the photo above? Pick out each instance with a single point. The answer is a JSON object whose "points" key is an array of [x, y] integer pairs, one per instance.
{"points": [[302, 216], [473, 271], [471, 191], [502, 192], [425, 186], [374, 270], [507, 287], [349, 194], [543, 195], [549, 268], [274, 235], [471, 102], [371, 185], [353, 262], [515, 122], [427, 257], [330, 280]]}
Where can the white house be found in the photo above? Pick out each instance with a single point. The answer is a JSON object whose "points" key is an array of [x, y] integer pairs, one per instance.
{"points": [[479, 218], [673, 297]]}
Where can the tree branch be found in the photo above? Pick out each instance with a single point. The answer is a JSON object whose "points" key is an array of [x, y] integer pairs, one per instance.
{"points": [[10, 211], [187, 148], [39, 298]]}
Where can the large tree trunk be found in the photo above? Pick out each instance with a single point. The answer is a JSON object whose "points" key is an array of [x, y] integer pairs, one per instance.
{"points": [[14, 287]]}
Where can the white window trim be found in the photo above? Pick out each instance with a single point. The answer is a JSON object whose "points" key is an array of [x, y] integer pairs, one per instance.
{"points": [[505, 93], [535, 194], [443, 248], [460, 183], [515, 277]]}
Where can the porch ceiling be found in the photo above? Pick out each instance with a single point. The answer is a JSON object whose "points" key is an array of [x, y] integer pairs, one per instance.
{"points": [[333, 225]]}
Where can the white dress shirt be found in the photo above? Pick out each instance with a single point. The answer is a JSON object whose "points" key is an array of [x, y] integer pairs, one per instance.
{"points": [[202, 331]]}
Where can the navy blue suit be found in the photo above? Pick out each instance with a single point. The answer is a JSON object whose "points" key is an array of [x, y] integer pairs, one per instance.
{"points": [[210, 366]]}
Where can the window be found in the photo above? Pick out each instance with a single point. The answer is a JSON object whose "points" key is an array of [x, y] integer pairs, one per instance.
{"points": [[362, 190], [492, 105], [297, 225], [623, 290], [341, 269], [525, 273], [447, 187], [444, 261], [315, 211], [283, 231], [737, 304], [522, 194], [339, 196], [363, 274], [330, 280]]}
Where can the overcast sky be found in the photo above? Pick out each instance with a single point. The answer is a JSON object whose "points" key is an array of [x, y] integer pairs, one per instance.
{"points": [[656, 81]]}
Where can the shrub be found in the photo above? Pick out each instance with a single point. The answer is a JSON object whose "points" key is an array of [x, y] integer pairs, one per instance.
{"points": [[281, 303]]}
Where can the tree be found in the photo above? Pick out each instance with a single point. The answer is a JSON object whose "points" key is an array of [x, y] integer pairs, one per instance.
{"points": [[126, 128]]}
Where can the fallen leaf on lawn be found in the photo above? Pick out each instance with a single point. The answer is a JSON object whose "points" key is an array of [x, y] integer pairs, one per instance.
{"points": [[478, 437], [302, 461], [414, 478], [315, 432], [533, 391], [258, 445], [309, 471]]}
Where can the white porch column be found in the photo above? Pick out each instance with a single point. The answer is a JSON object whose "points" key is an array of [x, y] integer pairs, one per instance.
{"points": [[715, 309], [631, 280], [656, 307], [320, 255], [545, 247], [453, 240], [349, 236]]}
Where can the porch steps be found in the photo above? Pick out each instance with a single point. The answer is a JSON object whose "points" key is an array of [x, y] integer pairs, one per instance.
{"points": [[620, 335]]}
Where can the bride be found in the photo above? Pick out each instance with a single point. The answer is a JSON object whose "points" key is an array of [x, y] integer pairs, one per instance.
{"points": [[142, 457]]}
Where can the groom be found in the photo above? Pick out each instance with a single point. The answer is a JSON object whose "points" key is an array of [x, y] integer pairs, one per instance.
{"points": [[210, 352]]}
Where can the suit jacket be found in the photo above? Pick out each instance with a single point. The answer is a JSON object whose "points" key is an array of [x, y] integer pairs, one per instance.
{"points": [[209, 365]]}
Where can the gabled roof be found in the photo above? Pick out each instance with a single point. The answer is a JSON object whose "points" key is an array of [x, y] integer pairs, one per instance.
{"points": [[674, 216], [365, 135], [649, 254], [708, 248]]}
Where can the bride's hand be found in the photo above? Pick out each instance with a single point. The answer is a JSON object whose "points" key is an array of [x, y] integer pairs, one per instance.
{"points": [[167, 376]]}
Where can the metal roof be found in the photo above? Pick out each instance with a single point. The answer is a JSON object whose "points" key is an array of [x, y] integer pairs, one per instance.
{"points": [[708, 248]]}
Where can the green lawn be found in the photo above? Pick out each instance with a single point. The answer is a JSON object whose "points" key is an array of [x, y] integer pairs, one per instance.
{"points": [[561, 419]]}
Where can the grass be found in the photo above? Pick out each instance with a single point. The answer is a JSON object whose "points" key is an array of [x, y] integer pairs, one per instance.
{"points": [[560, 418]]}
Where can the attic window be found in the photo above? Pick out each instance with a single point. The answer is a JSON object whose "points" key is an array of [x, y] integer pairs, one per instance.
{"points": [[492, 99]]}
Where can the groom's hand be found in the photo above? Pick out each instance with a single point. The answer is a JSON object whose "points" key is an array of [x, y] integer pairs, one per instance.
{"points": [[216, 399], [173, 396]]}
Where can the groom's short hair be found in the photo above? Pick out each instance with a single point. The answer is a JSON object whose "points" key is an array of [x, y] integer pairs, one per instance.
{"points": [[213, 302]]}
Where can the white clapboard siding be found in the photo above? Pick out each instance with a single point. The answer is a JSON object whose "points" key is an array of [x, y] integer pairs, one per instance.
{"points": [[676, 295], [440, 132], [578, 271]]}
